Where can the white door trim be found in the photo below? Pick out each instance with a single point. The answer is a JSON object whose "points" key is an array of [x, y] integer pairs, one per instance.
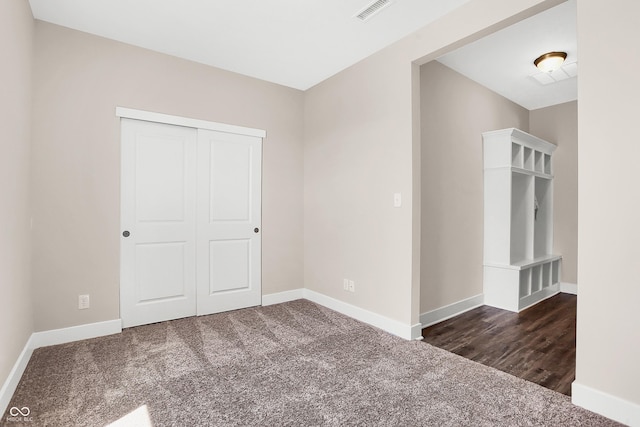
{"points": [[149, 116]]}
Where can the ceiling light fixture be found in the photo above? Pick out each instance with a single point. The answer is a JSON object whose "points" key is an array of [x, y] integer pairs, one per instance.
{"points": [[550, 61]]}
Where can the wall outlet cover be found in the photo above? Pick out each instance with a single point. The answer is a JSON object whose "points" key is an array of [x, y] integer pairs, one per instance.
{"points": [[83, 302]]}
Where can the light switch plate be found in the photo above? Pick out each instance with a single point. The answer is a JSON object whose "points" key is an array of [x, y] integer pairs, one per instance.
{"points": [[397, 200]]}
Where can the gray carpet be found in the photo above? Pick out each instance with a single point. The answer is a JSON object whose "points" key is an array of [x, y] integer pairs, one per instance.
{"points": [[293, 364]]}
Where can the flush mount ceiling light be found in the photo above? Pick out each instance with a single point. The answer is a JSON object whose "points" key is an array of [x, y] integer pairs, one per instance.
{"points": [[550, 61]]}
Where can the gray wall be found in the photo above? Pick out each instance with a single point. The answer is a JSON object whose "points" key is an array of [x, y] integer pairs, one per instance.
{"points": [[16, 49]]}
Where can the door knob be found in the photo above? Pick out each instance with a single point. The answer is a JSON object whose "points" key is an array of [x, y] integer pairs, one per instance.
{"points": [[255, 230], [126, 233]]}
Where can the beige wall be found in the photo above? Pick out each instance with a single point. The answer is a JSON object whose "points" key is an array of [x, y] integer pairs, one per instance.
{"points": [[359, 145], [559, 124], [79, 79], [359, 140], [451, 229], [608, 335], [16, 50], [455, 111], [357, 155]]}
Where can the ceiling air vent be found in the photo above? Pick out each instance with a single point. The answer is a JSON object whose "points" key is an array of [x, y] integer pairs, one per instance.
{"points": [[372, 9], [565, 72]]}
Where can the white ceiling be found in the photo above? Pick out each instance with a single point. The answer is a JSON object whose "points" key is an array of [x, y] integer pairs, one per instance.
{"points": [[299, 43], [503, 61], [296, 43]]}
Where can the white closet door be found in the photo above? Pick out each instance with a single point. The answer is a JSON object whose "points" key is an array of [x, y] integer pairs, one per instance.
{"points": [[158, 218], [228, 221]]}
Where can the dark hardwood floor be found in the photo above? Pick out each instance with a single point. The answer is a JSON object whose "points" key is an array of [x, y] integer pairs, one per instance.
{"points": [[537, 344]]}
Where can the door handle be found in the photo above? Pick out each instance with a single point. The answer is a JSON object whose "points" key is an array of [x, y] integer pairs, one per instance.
{"points": [[125, 233], [256, 230]]}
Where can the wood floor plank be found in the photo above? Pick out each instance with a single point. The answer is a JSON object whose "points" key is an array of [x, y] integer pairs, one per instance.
{"points": [[537, 344]]}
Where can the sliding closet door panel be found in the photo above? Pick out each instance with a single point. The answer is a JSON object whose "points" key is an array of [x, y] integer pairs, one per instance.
{"points": [[158, 244], [229, 221]]}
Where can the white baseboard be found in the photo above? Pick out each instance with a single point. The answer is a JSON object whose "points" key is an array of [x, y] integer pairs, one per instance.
{"points": [[93, 330], [11, 383], [452, 310], [416, 332], [569, 288], [402, 330], [392, 326], [53, 337], [612, 407], [280, 297], [76, 333]]}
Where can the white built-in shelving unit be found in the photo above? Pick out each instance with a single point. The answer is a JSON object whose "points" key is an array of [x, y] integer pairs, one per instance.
{"points": [[520, 268]]}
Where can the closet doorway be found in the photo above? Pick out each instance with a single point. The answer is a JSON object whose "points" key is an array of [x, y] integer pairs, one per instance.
{"points": [[190, 240]]}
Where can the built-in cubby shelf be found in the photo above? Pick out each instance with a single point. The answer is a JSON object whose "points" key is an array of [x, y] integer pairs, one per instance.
{"points": [[520, 268], [529, 159]]}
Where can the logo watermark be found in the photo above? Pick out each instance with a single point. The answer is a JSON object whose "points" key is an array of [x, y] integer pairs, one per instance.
{"points": [[19, 414]]}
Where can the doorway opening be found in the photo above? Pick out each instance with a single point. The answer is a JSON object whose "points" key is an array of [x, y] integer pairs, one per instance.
{"points": [[457, 106]]}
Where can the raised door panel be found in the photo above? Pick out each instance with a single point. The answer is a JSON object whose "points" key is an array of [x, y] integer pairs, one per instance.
{"points": [[229, 265], [161, 271], [160, 178], [230, 181]]}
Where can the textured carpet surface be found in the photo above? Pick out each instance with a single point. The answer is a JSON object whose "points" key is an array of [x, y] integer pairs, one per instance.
{"points": [[295, 364]]}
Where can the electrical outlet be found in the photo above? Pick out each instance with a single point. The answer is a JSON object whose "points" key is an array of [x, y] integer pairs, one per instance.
{"points": [[83, 302], [348, 285]]}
